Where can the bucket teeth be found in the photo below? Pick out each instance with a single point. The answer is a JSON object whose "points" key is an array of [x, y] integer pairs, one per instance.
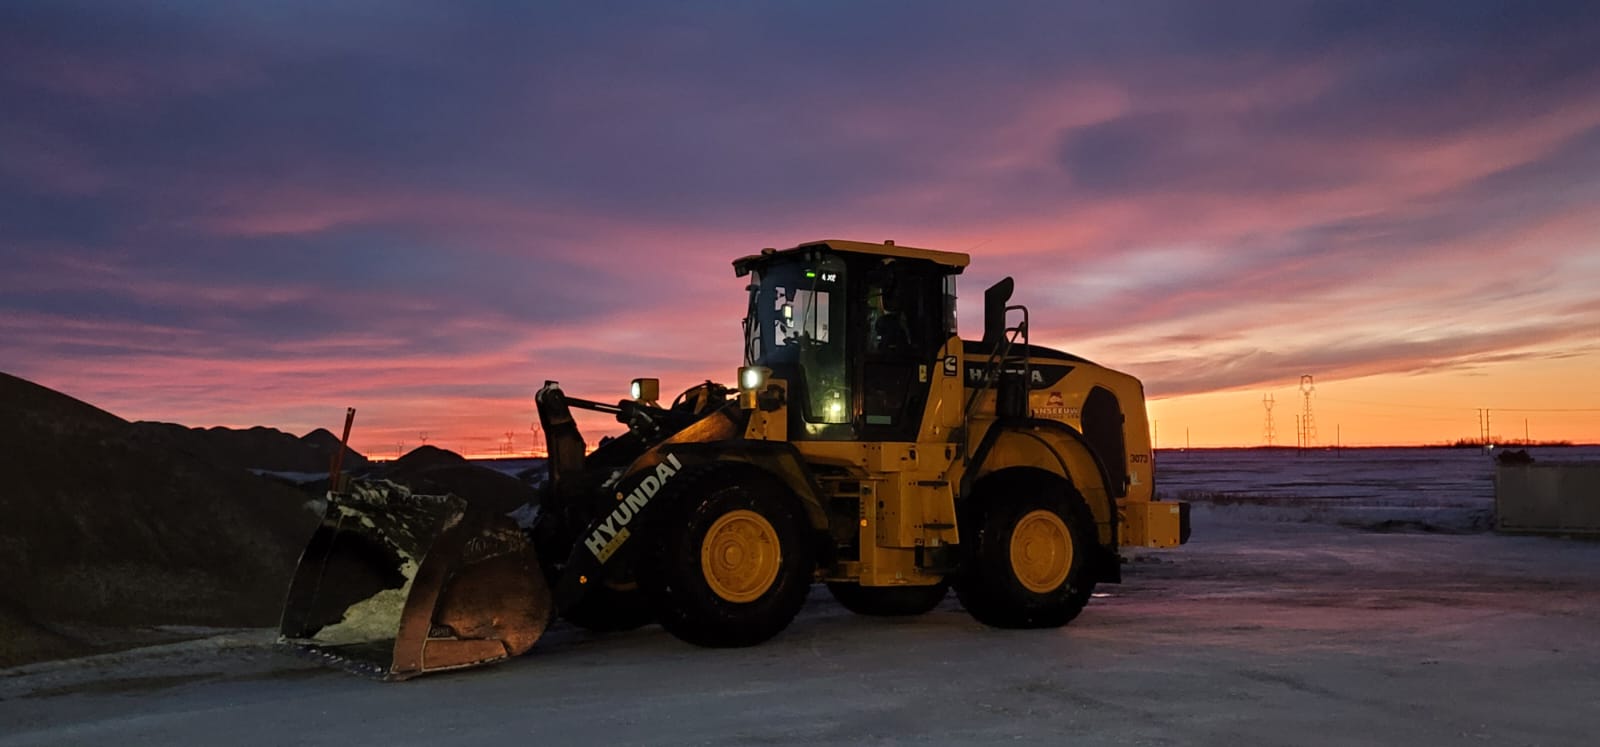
{"points": [[394, 584]]}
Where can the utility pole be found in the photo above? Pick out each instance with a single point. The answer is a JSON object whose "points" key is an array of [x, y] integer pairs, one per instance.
{"points": [[1186, 438], [1307, 425]]}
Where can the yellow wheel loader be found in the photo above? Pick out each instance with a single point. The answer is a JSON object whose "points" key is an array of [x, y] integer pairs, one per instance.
{"points": [[866, 446]]}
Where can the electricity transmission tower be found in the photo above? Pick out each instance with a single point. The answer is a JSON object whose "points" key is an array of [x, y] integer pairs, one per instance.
{"points": [[1271, 430], [1308, 425]]}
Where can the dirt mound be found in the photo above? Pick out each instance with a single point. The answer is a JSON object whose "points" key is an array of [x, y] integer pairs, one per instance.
{"points": [[116, 527], [1514, 456], [324, 444], [253, 448], [428, 457], [23, 641], [430, 469]]}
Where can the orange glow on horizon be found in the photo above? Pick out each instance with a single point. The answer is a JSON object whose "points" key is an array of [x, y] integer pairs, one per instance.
{"points": [[1547, 401], [1543, 401]]}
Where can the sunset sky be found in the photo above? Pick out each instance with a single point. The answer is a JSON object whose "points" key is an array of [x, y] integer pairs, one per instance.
{"points": [[219, 212]]}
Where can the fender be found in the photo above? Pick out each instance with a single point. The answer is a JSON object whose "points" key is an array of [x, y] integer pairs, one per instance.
{"points": [[603, 544], [1069, 455], [779, 458]]}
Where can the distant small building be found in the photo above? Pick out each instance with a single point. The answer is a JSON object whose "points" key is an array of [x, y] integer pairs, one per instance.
{"points": [[1547, 497]]}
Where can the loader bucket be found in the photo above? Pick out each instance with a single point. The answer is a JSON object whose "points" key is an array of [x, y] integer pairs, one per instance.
{"points": [[393, 585]]}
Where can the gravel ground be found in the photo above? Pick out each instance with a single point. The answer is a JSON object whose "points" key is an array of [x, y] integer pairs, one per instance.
{"points": [[1255, 633]]}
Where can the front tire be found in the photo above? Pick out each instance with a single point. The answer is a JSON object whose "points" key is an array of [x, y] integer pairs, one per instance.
{"points": [[730, 562], [1029, 564]]}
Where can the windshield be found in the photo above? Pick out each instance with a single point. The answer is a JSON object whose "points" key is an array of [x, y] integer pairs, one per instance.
{"points": [[796, 320]]}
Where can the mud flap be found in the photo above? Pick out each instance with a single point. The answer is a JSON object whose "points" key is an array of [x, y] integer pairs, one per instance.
{"points": [[393, 585]]}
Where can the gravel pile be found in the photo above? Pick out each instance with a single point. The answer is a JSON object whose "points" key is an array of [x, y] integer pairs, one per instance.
{"points": [[113, 532], [108, 526]]}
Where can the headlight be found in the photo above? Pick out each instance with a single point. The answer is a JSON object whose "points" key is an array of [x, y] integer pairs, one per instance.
{"points": [[752, 377], [645, 390]]}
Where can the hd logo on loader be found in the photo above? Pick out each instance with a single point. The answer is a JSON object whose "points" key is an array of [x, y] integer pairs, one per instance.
{"points": [[613, 531]]}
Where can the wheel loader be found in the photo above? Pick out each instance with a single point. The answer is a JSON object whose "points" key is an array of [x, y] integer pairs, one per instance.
{"points": [[866, 446]]}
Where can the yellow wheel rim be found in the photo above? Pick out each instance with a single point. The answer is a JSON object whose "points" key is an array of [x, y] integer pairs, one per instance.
{"points": [[740, 556], [1041, 551]]}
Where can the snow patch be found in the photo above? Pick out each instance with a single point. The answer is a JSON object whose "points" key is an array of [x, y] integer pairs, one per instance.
{"points": [[524, 515], [373, 619]]}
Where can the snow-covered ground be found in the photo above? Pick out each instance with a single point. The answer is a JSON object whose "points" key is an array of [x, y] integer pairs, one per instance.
{"points": [[1286, 620], [1426, 489]]}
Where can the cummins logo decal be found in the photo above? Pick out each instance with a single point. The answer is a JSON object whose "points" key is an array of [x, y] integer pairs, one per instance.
{"points": [[610, 535]]}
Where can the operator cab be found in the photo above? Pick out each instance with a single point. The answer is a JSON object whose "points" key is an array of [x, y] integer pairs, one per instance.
{"points": [[855, 329]]}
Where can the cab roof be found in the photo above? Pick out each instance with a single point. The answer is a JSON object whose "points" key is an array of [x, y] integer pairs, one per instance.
{"points": [[954, 261]]}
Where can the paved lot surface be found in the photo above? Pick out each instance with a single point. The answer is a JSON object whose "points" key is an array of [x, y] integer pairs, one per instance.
{"points": [[1256, 633]]}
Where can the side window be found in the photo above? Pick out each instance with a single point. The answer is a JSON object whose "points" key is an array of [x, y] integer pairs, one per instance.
{"points": [[889, 331], [905, 311], [948, 304], [800, 314], [817, 312]]}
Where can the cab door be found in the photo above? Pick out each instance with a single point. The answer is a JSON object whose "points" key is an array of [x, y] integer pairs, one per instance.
{"points": [[902, 323]]}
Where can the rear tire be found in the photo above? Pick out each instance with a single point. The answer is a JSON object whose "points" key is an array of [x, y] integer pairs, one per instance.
{"points": [[888, 601], [730, 562], [1028, 565]]}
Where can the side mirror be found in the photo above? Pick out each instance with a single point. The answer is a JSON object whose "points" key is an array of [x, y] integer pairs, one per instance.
{"points": [[994, 311]]}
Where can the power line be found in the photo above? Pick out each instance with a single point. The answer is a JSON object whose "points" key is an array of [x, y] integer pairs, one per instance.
{"points": [[1391, 404], [1461, 417], [1455, 408], [1556, 409]]}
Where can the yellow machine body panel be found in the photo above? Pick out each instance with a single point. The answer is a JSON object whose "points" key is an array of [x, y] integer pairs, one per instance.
{"points": [[909, 491], [1051, 451], [1151, 523], [866, 445], [906, 505]]}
